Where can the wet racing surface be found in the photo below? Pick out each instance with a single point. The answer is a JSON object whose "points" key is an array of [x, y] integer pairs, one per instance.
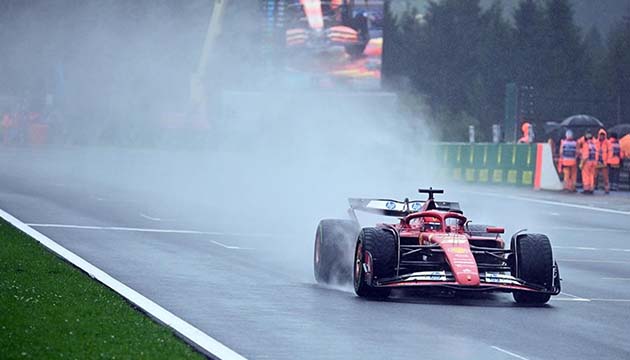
{"points": [[246, 279]]}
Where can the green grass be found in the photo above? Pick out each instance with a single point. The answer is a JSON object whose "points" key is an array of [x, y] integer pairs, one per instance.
{"points": [[51, 310]]}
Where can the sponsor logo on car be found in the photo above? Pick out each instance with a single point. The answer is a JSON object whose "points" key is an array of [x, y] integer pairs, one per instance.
{"points": [[457, 250], [427, 276], [493, 277]]}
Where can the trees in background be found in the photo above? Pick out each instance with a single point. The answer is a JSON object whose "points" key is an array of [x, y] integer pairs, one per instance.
{"points": [[459, 58], [617, 68]]}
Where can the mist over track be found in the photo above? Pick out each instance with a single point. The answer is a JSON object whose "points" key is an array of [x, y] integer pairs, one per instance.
{"points": [[233, 255]]}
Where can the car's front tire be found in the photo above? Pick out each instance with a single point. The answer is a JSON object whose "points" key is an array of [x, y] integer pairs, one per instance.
{"points": [[376, 250], [533, 264]]}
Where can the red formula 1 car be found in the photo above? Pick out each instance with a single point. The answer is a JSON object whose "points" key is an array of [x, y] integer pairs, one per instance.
{"points": [[432, 246]]}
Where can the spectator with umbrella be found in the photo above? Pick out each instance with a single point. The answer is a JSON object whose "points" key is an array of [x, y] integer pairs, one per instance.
{"points": [[578, 124]]}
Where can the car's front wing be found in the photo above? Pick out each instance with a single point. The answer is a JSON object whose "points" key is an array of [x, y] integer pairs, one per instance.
{"points": [[489, 281]]}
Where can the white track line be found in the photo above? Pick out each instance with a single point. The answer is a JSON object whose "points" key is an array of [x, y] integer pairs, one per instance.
{"points": [[572, 297], [592, 300], [591, 248], [231, 247], [549, 202], [581, 299], [509, 353], [616, 278], [595, 261], [201, 340], [594, 229], [121, 228], [163, 231], [150, 230], [150, 217]]}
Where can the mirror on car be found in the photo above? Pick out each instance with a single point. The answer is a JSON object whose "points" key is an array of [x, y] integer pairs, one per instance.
{"points": [[495, 230]]}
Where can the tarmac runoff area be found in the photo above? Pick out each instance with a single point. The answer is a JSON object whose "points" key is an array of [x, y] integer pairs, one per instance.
{"points": [[250, 288]]}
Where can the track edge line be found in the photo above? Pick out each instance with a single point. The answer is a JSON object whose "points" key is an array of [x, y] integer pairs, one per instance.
{"points": [[201, 341], [509, 353]]}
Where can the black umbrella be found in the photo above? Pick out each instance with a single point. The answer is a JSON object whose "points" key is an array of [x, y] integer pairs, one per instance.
{"points": [[580, 125], [581, 121], [551, 126], [621, 130]]}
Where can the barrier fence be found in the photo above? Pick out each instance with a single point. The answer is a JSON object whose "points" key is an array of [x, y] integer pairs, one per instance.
{"points": [[513, 164]]}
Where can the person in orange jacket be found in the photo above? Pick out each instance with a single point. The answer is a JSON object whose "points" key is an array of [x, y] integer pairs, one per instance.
{"points": [[588, 163], [567, 161], [614, 161], [526, 138], [581, 141], [602, 146]]}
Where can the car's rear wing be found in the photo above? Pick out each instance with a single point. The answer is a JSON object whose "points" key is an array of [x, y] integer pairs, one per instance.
{"points": [[397, 208], [387, 207]]}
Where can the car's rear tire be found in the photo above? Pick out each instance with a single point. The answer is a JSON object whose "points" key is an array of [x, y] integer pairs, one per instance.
{"points": [[377, 248], [334, 246], [533, 264]]}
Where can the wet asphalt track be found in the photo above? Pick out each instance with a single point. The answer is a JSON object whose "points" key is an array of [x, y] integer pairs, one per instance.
{"points": [[247, 281]]}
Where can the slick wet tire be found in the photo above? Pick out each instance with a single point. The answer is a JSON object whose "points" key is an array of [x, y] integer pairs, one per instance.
{"points": [[334, 248], [378, 249], [534, 264]]}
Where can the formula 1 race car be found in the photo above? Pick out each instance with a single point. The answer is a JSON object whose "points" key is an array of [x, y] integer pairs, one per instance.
{"points": [[432, 246]]}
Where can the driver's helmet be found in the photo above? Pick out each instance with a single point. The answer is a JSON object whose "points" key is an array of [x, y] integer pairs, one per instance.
{"points": [[431, 223], [453, 224]]}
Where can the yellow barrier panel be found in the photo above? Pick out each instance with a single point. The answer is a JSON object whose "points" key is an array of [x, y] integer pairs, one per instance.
{"points": [[490, 163], [483, 175]]}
